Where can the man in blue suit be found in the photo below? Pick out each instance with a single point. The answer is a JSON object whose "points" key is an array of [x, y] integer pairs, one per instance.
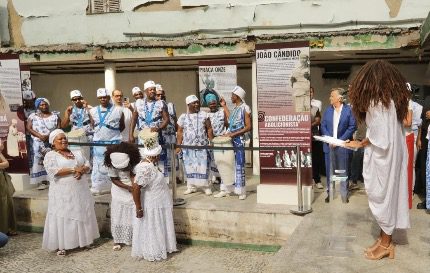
{"points": [[337, 118]]}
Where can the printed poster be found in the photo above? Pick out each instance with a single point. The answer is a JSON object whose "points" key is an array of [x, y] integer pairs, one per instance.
{"points": [[12, 130], [284, 120], [218, 78]]}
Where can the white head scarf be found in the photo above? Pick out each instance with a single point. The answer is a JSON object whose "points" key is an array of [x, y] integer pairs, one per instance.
{"points": [[239, 92], [119, 160], [54, 134], [191, 99], [158, 87], [102, 92], [149, 84], [135, 90], [75, 93]]}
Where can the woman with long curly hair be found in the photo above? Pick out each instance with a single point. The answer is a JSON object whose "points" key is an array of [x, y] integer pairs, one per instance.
{"points": [[379, 98], [120, 159]]}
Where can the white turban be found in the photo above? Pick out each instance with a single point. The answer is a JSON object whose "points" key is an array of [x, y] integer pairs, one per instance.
{"points": [[149, 84], [158, 87], [54, 134], [119, 160], [28, 95], [75, 93], [135, 90], [191, 99], [239, 92], [102, 92]]}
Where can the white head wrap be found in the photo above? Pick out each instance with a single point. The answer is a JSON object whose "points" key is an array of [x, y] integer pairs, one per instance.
{"points": [[75, 93], [135, 90], [28, 95], [102, 92], [149, 84], [54, 134], [119, 160], [191, 99], [158, 87], [239, 92]]}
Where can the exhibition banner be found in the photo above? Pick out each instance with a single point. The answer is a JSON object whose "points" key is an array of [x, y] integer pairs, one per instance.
{"points": [[284, 119], [219, 78], [12, 129]]}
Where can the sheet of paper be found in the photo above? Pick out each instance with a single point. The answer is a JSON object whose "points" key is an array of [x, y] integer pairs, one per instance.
{"points": [[333, 141]]}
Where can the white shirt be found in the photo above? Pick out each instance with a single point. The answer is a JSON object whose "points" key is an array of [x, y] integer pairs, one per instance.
{"points": [[316, 103], [336, 118], [127, 118]]}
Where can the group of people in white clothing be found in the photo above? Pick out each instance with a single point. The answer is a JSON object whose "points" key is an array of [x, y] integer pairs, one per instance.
{"points": [[141, 208]]}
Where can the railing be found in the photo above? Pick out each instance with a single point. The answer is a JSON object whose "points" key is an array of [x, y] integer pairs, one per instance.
{"points": [[301, 210]]}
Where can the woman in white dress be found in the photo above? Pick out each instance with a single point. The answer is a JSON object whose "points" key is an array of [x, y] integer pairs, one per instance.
{"points": [[153, 228], [71, 220], [121, 160], [379, 98]]}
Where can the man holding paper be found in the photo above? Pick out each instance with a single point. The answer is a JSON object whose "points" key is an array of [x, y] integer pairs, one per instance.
{"points": [[338, 122]]}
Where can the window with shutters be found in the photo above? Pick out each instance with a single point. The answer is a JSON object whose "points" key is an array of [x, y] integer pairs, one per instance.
{"points": [[103, 6]]}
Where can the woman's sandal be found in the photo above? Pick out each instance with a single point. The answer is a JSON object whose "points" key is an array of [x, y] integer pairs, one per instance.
{"points": [[388, 251], [117, 247], [61, 252], [373, 247]]}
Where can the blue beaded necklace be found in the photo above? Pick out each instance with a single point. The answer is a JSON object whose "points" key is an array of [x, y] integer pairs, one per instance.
{"points": [[148, 114]]}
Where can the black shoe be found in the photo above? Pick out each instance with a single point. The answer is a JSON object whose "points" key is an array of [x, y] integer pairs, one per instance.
{"points": [[345, 200], [327, 199], [421, 205]]}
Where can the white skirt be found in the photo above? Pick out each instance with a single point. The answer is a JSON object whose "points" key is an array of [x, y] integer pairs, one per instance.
{"points": [[154, 234], [121, 216], [63, 233]]}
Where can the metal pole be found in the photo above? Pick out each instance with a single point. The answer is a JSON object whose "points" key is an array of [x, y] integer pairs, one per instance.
{"points": [[300, 210], [176, 201]]}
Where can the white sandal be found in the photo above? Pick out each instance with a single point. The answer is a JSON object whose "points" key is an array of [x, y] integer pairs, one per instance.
{"points": [[61, 252], [117, 247]]}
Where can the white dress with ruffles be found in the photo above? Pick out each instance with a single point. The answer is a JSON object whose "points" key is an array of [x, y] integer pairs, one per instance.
{"points": [[154, 233], [71, 220]]}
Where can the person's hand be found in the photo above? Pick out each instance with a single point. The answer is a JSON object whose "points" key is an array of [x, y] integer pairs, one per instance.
{"points": [[227, 135], [131, 140], [77, 175], [139, 213], [419, 145], [126, 104], [69, 110], [155, 129], [353, 144], [178, 150], [222, 102], [44, 138], [130, 189]]}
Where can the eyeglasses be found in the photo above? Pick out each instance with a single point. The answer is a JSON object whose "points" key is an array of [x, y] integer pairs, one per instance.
{"points": [[76, 99]]}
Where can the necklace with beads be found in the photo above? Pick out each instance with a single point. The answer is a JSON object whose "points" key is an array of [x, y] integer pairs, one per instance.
{"points": [[68, 154]]}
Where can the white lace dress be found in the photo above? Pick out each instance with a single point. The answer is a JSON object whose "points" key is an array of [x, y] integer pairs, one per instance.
{"points": [[71, 220], [154, 233], [122, 209]]}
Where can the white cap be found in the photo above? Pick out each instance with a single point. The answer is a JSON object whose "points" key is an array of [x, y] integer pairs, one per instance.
{"points": [[158, 87], [239, 92], [191, 99], [102, 92], [28, 95], [75, 93], [119, 160], [149, 84], [135, 90], [54, 134]]}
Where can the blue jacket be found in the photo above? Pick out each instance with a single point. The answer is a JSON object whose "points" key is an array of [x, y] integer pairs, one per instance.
{"points": [[345, 129]]}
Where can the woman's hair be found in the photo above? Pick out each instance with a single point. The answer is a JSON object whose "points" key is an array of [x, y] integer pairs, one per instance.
{"points": [[123, 147], [378, 81]]}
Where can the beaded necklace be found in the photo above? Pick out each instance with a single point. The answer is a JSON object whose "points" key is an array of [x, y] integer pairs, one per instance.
{"points": [[233, 116], [148, 114]]}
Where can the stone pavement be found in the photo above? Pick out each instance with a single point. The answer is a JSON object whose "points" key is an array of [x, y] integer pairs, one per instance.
{"points": [[331, 239]]}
